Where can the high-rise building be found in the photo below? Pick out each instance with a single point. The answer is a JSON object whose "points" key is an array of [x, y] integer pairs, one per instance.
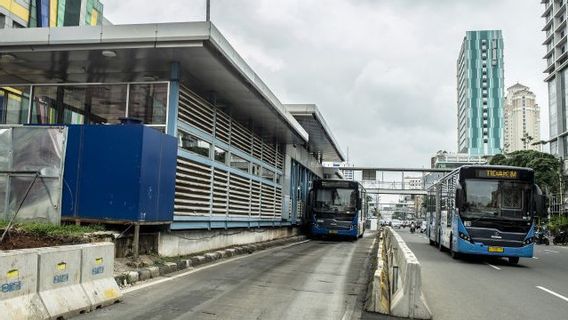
{"points": [[50, 13], [522, 119], [556, 61], [480, 88], [449, 160]]}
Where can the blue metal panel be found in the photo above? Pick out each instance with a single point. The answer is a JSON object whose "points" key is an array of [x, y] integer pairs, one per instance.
{"points": [[119, 173], [42, 11]]}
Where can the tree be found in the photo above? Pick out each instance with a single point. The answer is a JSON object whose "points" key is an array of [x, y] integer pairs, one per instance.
{"points": [[547, 168]]}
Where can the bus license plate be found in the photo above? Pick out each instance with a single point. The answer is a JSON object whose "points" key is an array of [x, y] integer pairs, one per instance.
{"points": [[495, 249], [333, 231]]}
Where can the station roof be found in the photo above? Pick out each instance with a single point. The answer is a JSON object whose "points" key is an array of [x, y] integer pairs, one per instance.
{"points": [[209, 65], [321, 139]]}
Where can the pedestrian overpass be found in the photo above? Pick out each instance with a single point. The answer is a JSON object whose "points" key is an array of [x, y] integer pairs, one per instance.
{"points": [[398, 181]]}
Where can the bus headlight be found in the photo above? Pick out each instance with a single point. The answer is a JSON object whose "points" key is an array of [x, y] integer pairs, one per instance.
{"points": [[529, 240], [465, 237]]}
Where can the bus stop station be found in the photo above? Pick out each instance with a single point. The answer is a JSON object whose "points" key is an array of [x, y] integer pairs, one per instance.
{"points": [[243, 158]]}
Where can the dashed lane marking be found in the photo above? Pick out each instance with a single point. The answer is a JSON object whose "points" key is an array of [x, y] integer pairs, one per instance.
{"points": [[535, 258], [558, 295], [492, 266]]}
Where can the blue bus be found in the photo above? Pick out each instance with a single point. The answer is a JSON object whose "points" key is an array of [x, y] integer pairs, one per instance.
{"points": [[485, 210], [337, 208]]}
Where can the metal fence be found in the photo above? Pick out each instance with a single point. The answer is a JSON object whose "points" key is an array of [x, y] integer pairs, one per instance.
{"points": [[31, 172]]}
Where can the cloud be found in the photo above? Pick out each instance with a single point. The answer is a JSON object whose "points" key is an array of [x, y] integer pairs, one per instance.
{"points": [[382, 72]]}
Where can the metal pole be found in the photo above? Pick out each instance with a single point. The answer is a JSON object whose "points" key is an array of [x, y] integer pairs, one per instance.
{"points": [[208, 11], [136, 244]]}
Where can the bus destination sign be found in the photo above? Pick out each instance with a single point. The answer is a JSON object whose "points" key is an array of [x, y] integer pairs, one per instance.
{"points": [[498, 174]]}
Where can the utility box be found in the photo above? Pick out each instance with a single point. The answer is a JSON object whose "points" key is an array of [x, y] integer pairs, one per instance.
{"points": [[119, 173]]}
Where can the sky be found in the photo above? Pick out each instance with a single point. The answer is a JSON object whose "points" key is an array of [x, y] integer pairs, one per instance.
{"points": [[382, 72]]}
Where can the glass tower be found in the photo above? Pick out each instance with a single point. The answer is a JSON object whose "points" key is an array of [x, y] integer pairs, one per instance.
{"points": [[480, 92]]}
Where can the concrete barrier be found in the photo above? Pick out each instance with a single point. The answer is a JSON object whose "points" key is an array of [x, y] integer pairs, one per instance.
{"points": [[397, 283], [60, 281], [97, 279], [19, 299]]}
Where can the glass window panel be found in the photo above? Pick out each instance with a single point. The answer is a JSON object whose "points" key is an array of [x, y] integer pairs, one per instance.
{"points": [[14, 102], [148, 102], [79, 104], [194, 144], [268, 174], [255, 169], [220, 155], [239, 163]]}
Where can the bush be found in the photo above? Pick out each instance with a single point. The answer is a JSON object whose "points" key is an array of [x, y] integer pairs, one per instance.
{"points": [[47, 229], [558, 223]]}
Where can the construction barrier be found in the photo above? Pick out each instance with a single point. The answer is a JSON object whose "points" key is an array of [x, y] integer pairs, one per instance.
{"points": [[19, 299], [397, 282], [97, 274], [60, 281]]}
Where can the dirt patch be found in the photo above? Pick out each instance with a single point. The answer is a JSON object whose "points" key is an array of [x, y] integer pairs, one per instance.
{"points": [[17, 239]]}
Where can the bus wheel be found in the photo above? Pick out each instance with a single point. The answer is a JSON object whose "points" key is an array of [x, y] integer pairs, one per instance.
{"points": [[513, 260]]}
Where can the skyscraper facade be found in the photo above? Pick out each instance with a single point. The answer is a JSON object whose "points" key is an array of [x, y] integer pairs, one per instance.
{"points": [[522, 119], [50, 13], [556, 73], [480, 92]]}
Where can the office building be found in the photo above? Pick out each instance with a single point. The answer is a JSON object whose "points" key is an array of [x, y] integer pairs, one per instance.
{"points": [[556, 57], [50, 13], [522, 119], [480, 93]]}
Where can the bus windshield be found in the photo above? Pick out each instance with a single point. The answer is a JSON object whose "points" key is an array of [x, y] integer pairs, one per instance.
{"points": [[336, 200], [497, 199]]}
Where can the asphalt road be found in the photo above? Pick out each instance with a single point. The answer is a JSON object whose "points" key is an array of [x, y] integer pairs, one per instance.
{"points": [[312, 280], [477, 288]]}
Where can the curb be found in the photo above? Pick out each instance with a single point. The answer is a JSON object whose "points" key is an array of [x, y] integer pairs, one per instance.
{"points": [[129, 278]]}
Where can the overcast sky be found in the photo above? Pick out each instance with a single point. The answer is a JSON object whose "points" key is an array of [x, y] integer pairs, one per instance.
{"points": [[383, 72]]}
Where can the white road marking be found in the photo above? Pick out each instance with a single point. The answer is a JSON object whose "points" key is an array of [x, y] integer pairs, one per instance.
{"points": [[550, 251], [553, 293], [492, 266], [153, 283], [535, 258]]}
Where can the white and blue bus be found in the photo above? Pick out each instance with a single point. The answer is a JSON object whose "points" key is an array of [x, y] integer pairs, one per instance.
{"points": [[485, 210], [338, 208]]}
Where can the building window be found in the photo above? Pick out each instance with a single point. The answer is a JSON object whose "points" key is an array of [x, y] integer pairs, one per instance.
{"points": [[2, 21], [239, 163], [220, 155], [100, 104], [255, 169], [268, 174], [193, 144], [148, 102], [14, 102], [16, 25]]}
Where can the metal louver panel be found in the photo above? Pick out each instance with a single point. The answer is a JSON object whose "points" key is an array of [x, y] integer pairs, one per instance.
{"points": [[222, 127], [220, 192], [193, 188], [267, 199], [257, 147], [255, 198], [269, 154], [241, 137], [278, 203], [239, 195], [195, 111], [279, 160]]}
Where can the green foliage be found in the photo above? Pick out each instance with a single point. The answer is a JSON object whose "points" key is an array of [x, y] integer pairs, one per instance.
{"points": [[46, 229], [547, 168], [558, 223]]}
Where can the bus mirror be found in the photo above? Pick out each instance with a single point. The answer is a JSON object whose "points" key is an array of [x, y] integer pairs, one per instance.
{"points": [[540, 205]]}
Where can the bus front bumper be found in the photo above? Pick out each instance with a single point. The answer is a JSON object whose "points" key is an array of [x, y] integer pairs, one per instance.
{"points": [[483, 249], [320, 230]]}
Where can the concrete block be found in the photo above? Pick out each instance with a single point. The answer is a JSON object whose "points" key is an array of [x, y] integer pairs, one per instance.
{"points": [[231, 252], [181, 265], [154, 272], [171, 266], [132, 277], [19, 299], [144, 274], [212, 256], [60, 281], [197, 260], [221, 254], [97, 274]]}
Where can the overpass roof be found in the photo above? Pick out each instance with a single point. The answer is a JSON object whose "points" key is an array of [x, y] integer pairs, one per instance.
{"points": [[321, 139], [209, 65]]}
